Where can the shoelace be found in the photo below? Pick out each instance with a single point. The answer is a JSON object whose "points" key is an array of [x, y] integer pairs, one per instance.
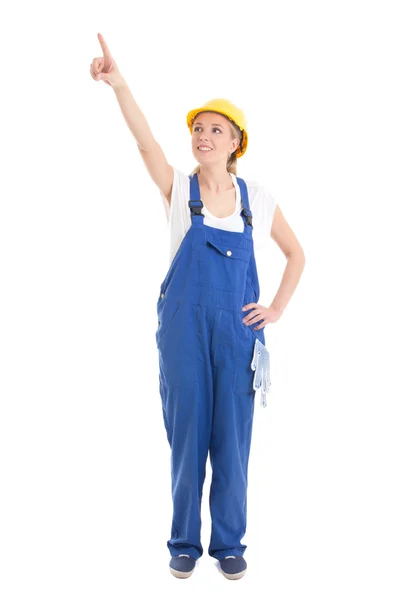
{"points": [[261, 365]]}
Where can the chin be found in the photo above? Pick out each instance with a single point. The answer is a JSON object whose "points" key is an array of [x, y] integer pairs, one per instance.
{"points": [[202, 157]]}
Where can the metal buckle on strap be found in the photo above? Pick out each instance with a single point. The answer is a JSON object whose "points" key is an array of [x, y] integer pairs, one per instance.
{"points": [[195, 210], [249, 218]]}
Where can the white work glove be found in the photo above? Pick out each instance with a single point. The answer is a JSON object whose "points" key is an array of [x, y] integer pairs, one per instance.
{"points": [[261, 365]]}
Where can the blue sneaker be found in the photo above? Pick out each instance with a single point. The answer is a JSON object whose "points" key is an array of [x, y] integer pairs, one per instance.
{"points": [[182, 566], [233, 567]]}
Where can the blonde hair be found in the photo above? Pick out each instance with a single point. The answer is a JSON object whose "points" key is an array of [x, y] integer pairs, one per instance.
{"points": [[231, 164]]}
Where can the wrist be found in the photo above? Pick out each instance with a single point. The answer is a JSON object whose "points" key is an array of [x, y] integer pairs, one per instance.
{"points": [[279, 309], [120, 85]]}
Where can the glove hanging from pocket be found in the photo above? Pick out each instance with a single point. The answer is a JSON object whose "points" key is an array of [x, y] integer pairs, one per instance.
{"points": [[261, 365]]}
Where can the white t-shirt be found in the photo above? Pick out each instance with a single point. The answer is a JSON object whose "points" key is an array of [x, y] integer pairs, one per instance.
{"points": [[262, 206]]}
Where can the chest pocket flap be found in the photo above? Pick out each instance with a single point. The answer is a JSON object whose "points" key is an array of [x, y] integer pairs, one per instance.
{"points": [[230, 252]]}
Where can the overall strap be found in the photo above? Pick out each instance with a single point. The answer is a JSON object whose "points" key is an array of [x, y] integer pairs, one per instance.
{"points": [[195, 204], [246, 212]]}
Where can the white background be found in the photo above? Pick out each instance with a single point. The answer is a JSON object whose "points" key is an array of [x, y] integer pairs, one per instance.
{"points": [[85, 503]]}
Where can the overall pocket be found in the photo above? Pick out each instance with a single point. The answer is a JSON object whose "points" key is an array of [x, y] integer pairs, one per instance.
{"points": [[221, 265], [167, 309]]}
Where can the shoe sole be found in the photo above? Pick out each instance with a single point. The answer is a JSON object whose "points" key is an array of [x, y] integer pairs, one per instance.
{"points": [[181, 574], [233, 575]]}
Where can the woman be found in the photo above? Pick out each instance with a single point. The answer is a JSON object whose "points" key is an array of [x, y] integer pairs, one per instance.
{"points": [[210, 335]]}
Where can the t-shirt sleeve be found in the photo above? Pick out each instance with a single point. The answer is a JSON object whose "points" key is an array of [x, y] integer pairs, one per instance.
{"points": [[178, 213], [179, 192], [263, 209]]}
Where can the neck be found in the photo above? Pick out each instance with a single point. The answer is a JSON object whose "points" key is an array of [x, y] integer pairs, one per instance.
{"points": [[215, 179]]}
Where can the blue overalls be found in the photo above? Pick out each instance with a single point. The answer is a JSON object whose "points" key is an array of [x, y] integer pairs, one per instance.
{"points": [[208, 366]]}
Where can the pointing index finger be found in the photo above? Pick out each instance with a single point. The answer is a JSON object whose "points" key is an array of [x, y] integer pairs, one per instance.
{"points": [[104, 47]]}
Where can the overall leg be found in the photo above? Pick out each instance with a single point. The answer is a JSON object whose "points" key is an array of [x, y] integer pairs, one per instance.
{"points": [[230, 438], [186, 389]]}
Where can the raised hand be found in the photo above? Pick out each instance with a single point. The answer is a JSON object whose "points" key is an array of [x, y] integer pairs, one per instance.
{"points": [[104, 68]]}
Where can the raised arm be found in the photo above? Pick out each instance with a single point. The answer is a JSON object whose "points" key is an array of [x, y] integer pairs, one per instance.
{"points": [[105, 69]]}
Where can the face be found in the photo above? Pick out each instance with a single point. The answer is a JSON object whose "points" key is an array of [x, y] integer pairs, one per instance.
{"points": [[214, 131]]}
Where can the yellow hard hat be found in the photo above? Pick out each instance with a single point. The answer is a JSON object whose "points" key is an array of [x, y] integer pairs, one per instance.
{"points": [[229, 110]]}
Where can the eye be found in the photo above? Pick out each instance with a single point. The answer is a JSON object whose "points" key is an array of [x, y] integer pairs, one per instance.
{"points": [[199, 126]]}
